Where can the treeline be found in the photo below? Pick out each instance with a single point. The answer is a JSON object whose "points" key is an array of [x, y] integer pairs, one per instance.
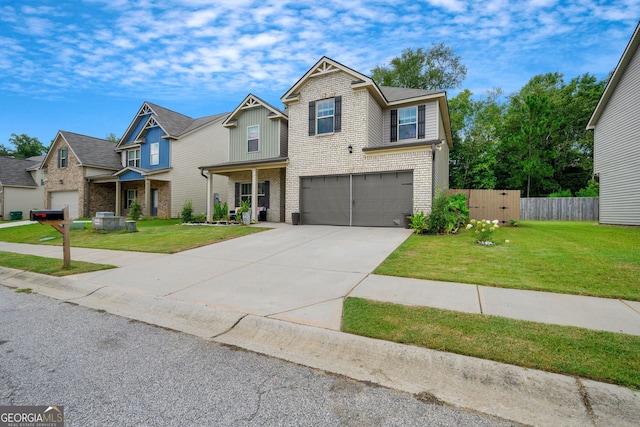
{"points": [[534, 140]]}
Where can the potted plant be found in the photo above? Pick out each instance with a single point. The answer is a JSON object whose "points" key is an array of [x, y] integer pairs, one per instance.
{"points": [[242, 213]]}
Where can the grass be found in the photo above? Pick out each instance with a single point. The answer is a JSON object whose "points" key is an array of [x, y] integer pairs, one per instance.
{"points": [[564, 257], [156, 235], [50, 266], [600, 356]]}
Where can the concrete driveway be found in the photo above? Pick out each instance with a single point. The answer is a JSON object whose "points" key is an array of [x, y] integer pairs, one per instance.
{"points": [[295, 273]]}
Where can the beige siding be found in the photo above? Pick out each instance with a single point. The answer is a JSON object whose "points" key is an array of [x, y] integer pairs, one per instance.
{"points": [[329, 154], [21, 199], [89, 172], [430, 125], [269, 144], [617, 150], [442, 158], [208, 145], [374, 123]]}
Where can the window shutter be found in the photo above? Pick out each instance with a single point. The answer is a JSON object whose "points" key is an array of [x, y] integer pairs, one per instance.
{"points": [[312, 118], [337, 114], [394, 125], [59, 158], [266, 194], [237, 198], [421, 113]]}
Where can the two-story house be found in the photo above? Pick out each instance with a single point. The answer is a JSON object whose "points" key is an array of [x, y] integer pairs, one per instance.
{"points": [[158, 157], [68, 167], [257, 158], [360, 154]]}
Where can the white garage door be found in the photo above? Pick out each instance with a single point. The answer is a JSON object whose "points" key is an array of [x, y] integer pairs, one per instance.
{"points": [[60, 199]]}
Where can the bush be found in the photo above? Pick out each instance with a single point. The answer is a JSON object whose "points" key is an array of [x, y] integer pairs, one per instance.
{"points": [[135, 210], [200, 218], [418, 222], [220, 212], [563, 193], [448, 214], [483, 230], [187, 212], [591, 190]]}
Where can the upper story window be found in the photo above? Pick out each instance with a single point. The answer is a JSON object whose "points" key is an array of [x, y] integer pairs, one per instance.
{"points": [[325, 116], [133, 158], [407, 123], [42, 177], [63, 158], [253, 138], [154, 153]]}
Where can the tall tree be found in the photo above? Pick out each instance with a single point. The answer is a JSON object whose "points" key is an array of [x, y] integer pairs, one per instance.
{"points": [[112, 137], [475, 125], [26, 146], [436, 68]]}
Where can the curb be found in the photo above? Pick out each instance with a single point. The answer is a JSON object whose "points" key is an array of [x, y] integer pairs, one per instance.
{"points": [[522, 395]]}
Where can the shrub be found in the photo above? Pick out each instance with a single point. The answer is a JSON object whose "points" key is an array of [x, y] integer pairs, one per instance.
{"points": [[200, 218], [591, 190], [448, 214], [220, 212], [562, 193], [135, 210], [483, 230], [418, 222], [187, 212]]}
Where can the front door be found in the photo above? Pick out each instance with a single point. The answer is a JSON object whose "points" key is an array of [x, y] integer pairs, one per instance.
{"points": [[154, 202]]}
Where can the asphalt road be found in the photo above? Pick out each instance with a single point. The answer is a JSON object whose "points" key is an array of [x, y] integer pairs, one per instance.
{"points": [[109, 371]]}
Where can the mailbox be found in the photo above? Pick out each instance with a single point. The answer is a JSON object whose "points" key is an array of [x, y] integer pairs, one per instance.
{"points": [[46, 215]]}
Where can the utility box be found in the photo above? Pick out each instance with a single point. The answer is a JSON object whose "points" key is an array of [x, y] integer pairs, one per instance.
{"points": [[109, 223], [105, 214], [44, 215], [15, 215]]}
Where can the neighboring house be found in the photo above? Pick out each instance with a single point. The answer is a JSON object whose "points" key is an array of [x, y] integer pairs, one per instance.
{"points": [[69, 165], [257, 158], [616, 151], [158, 159], [21, 186], [360, 154]]}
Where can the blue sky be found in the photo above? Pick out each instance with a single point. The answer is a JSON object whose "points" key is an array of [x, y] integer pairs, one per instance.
{"points": [[87, 66]]}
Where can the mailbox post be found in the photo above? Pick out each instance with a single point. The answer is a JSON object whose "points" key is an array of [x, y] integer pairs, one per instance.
{"points": [[58, 219]]}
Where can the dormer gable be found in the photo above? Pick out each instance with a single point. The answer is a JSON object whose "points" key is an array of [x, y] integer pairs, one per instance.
{"points": [[252, 101]]}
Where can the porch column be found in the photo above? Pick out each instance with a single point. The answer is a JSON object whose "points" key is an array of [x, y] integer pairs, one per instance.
{"points": [[147, 198], [254, 194], [209, 197], [118, 198]]}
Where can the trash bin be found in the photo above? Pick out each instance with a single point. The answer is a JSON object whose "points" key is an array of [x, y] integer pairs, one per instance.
{"points": [[262, 214], [15, 215], [295, 218]]}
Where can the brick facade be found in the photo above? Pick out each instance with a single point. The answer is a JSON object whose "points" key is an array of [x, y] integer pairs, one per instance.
{"points": [[329, 154], [276, 180], [69, 178]]}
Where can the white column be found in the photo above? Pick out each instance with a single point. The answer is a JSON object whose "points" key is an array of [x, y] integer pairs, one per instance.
{"points": [[209, 197], [147, 198], [254, 194]]}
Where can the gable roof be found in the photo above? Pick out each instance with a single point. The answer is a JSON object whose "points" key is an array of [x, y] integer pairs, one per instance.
{"points": [[631, 49], [173, 124], [90, 151], [14, 172], [384, 95], [252, 101]]}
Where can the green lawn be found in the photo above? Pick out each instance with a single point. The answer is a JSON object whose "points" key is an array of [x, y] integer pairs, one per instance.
{"points": [[50, 266], [159, 236], [565, 257], [601, 356]]}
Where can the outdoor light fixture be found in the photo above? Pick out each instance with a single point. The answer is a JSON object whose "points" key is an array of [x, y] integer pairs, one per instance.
{"points": [[350, 148], [61, 181]]}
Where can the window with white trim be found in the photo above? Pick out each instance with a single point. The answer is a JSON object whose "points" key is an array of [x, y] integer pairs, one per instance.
{"points": [[325, 110], [42, 178], [130, 197], [253, 138], [62, 158], [407, 123], [133, 158], [154, 153]]}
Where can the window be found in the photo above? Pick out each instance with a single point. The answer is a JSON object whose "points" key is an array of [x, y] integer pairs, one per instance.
{"points": [[243, 192], [325, 116], [62, 158], [253, 138], [154, 155], [325, 113], [133, 158], [131, 196], [407, 123], [42, 178]]}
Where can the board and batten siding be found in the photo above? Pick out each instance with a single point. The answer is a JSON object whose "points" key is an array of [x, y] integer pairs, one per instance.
{"points": [[270, 139], [208, 145], [617, 150]]}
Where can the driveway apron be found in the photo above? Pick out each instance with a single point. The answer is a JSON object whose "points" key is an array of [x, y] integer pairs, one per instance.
{"points": [[295, 273]]}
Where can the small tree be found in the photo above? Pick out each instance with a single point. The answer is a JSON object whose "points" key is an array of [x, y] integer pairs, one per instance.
{"points": [[187, 212], [135, 210], [448, 214]]}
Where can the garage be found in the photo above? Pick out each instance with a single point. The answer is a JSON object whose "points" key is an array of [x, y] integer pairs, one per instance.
{"points": [[381, 199], [60, 199]]}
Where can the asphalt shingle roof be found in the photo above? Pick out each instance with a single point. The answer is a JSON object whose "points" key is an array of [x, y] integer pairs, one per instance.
{"points": [[93, 151], [393, 94], [173, 123], [13, 172]]}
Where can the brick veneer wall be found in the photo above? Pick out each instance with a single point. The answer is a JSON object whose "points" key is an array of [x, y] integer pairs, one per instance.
{"points": [[72, 176], [329, 154], [276, 183]]}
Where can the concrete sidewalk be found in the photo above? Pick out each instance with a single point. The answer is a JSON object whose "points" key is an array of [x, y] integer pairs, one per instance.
{"points": [[280, 293]]}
